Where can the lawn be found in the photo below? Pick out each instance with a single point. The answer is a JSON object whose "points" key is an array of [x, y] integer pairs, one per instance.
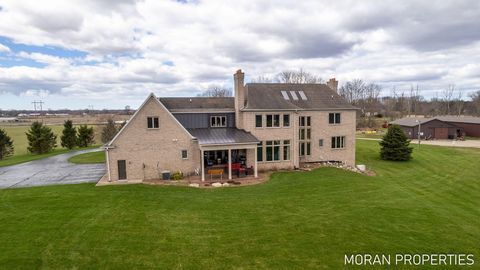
{"points": [[299, 220], [88, 158], [20, 143]]}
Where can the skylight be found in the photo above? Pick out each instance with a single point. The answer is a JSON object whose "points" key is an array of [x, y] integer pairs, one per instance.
{"points": [[294, 95], [285, 95], [302, 95]]}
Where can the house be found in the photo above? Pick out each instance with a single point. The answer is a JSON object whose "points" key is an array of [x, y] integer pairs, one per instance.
{"points": [[265, 126], [440, 127]]}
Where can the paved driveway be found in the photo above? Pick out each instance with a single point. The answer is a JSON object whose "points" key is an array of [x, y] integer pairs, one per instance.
{"points": [[51, 171]]}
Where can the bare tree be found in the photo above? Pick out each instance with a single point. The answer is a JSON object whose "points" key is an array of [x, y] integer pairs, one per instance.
{"points": [[262, 79], [353, 90], [216, 91], [459, 103], [297, 76], [475, 96], [447, 94]]}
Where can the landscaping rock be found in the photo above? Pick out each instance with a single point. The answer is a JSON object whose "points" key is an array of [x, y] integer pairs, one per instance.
{"points": [[216, 184], [361, 167], [194, 185], [225, 184]]}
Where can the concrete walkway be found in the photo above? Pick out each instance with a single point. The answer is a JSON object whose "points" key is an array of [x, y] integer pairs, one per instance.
{"points": [[450, 143], [54, 170]]}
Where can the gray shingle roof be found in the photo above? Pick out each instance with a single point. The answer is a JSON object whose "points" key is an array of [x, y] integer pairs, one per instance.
{"points": [[198, 103], [411, 121], [460, 119], [269, 96], [213, 136]]}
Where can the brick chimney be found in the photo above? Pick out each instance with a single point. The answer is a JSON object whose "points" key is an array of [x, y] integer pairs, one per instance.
{"points": [[333, 84], [240, 96]]}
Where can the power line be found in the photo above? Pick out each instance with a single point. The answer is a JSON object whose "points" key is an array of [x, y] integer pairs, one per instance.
{"points": [[38, 103]]}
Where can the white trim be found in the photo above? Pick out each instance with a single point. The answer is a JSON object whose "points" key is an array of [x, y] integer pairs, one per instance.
{"points": [[152, 95]]}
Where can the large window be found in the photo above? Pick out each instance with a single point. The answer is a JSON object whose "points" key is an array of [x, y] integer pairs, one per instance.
{"points": [[218, 121], [152, 122], [334, 118], [273, 120], [338, 142], [286, 120], [305, 135], [258, 120], [260, 151], [286, 150], [272, 150]]}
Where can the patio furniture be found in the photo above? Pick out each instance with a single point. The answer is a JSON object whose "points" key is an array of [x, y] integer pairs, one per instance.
{"points": [[237, 167], [215, 172]]}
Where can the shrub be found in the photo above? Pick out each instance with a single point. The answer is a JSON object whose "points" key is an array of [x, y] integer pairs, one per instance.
{"points": [[85, 136], [395, 145], [40, 139], [109, 131], [6, 145], [177, 176], [69, 135]]}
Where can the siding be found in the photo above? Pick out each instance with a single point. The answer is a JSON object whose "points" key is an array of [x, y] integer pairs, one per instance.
{"points": [[202, 120]]}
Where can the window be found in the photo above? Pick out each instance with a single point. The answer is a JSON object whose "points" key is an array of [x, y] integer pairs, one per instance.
{"points": [[260, 151], [273, 120], [269, 120], [338, 142], [305, 121], [286, 150], [152, 122], [269, 150], [305, 135], [301, 149], [272, 150], [184, 154], [258, 120], [334, 118], [286, 120], [320, 142], [218, 121]]}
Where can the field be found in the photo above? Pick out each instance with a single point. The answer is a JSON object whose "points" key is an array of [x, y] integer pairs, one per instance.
{"points": [[299, 220], [20, 143]]}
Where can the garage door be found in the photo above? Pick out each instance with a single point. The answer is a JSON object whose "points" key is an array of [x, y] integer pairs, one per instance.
{"points": [[441, 133]]}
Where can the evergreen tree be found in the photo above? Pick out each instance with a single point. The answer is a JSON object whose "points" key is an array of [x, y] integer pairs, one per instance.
{"points": [[85, 136], [395, 145], [6, 145], [109, 131], [40, 139], [69, 135]]}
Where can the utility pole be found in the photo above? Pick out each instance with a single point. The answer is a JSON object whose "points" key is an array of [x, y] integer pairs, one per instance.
{"points": [[39, 103], [419, 124]]}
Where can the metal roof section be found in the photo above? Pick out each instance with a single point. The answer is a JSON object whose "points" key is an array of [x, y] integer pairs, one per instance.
{"points": [[222, 136], [285, 95], [302, 95]]}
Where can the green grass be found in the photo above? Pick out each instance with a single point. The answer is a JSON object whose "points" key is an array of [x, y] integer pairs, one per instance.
{"points": [[88, 158], [297, 220]]}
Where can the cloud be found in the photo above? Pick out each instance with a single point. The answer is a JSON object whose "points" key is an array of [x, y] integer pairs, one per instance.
{"points": [[4, 48], [129, 48]]}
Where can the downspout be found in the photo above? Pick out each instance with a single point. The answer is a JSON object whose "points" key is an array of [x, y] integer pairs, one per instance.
{"points": [[108, 165]]}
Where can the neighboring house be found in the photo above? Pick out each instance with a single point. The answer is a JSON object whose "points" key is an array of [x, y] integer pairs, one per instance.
{"points": [[264, 127], [440, 127]]}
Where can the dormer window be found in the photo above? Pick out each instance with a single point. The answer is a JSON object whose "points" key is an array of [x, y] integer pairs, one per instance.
{"points": [[218, 121]]}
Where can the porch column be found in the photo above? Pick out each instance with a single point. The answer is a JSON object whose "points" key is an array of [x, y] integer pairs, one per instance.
{"points": [[255, 169], [229, 164], [203, 165]]}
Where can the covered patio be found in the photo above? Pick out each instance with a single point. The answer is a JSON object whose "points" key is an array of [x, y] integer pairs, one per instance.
{"points": [[226, 150]]}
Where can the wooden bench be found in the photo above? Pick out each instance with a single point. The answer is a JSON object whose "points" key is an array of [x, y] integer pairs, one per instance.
{"points": [[216, 172]]}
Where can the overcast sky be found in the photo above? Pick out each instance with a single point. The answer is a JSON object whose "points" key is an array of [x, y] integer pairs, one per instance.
{"points": [[112, 53]]}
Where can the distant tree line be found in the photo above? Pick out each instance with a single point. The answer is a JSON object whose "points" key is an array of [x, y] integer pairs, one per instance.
{"points": [[41, 139]]}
